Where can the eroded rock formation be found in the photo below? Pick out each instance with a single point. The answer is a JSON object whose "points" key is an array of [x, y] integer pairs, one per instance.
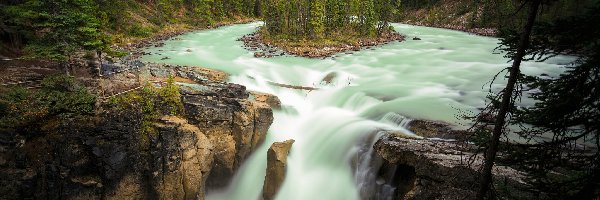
{"points": [[433, 169], [276, 166]]}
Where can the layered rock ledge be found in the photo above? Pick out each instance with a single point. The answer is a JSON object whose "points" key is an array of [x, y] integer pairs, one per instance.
{"points": [[104, 156], [437, 169]]}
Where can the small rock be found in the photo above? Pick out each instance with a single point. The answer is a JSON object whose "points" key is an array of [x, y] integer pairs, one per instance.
{"points": [[416, 38], [130, 76], [259, 54]]}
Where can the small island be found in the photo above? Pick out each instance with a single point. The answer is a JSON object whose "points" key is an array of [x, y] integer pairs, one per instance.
{"points": [[317, 29]]}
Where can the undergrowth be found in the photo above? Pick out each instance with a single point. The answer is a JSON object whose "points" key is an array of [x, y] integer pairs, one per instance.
{"points": [[152, 102]]}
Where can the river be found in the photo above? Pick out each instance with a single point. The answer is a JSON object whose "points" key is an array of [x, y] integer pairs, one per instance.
{"points": [[445, 74]]}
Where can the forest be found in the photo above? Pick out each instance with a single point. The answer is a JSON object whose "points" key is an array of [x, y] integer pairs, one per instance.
{"points": [[341, 69]]}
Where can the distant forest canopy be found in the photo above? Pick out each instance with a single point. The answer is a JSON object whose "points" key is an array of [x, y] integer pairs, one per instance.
{"points": [[317, 18]]}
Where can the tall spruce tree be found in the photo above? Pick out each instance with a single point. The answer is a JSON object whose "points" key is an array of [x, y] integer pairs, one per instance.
{"points": [[507, 100]]}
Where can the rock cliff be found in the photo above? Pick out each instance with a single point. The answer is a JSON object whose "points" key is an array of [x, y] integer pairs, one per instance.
{"points": [[102, 156], [435, 169]]}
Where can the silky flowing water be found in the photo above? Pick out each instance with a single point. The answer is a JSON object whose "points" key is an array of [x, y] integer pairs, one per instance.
{"points": [[443, 75]]}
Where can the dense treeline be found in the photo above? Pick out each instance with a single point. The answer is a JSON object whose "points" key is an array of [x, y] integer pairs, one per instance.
{"points": [[55, 29], [320, 18]]}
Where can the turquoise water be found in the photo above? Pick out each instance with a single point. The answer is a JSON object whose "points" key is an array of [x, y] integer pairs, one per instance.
{"points": [[436, 78]]}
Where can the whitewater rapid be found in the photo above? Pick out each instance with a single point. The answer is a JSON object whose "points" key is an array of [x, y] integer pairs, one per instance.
{"points": [[439, 77]]}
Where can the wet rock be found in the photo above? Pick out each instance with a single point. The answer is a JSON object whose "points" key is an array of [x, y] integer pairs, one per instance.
{"points": [[182, 160], [416, 38], [259, 54], [329, 77], [276, 168], [435, 169], [271, 100]]}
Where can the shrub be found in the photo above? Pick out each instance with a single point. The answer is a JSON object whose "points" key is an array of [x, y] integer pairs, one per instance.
{"points": [[151, 102], [60, 97]]}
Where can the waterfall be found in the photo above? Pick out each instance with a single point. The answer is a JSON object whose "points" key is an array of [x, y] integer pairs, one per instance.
{"points": [[356, 98], [367, 164]]}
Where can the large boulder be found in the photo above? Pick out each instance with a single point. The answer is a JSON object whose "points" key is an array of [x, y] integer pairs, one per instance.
{"points": [[276, 166], [434, 169]]}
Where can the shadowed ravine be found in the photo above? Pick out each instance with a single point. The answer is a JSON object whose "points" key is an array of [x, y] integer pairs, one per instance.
{"points": [[360, 93]]}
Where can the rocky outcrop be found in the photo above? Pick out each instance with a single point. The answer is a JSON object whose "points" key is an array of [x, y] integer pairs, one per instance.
{"points": [[182, 160], [433, 169], [107, 156], [276, 166]]}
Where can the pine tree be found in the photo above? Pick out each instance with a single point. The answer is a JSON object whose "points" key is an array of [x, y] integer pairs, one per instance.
{"points": [[506, 103], [317, 17], [58, 28], [567, 110]]}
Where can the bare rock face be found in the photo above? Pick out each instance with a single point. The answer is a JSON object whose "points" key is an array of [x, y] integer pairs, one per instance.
{"points": [[235, 125], [182, 161], [432, 169], [276, 166], [235, 120]]}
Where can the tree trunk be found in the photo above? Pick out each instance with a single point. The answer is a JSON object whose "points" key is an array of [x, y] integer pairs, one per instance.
{"points": [[506, 104]]}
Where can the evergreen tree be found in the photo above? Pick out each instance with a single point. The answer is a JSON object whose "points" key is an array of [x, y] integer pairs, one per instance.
{"points": [[317, 17], [201, 9], [58, 28], [567, 111], [368, 18], [507, 100]]}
